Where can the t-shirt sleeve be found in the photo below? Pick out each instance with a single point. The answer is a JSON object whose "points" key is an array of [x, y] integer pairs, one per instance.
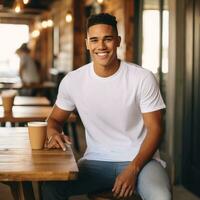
{"points": [[150, 96], [64, 99]]}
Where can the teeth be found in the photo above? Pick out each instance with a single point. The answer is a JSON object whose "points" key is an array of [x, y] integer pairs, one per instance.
{"points": [[101, 54]]}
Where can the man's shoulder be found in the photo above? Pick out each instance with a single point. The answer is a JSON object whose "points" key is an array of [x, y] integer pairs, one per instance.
{"points": [[80, 71], [77, 73], [136, 69]]}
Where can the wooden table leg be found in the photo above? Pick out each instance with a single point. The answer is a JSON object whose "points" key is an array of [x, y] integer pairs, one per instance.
{"points": [[21, 191], [14, 187], [28, 190]]}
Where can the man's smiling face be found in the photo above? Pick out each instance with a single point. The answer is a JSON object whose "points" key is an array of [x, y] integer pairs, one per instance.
{"points": [[102, 42]]}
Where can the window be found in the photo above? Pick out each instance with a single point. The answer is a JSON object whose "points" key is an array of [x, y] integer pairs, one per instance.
{"points": [[11, 37], [155, 33], [151, 39]]}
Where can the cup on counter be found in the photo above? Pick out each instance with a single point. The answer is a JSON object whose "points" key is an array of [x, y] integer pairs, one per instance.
{"points": [[37, 134], [8, 97]]}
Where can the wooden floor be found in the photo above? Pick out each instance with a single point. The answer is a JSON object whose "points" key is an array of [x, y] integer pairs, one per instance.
{"points": [[179, 192]]}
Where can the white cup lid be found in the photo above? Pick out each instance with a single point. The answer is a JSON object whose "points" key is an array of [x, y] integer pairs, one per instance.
{"points": [[37, 123]]}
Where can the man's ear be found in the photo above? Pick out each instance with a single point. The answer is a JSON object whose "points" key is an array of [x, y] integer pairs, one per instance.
{"points": [[86, 42], [119, 41]]}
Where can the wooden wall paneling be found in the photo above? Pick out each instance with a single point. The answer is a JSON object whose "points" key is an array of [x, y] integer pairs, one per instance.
{"points": [[130, 29], [79, 34], [64, 60]]}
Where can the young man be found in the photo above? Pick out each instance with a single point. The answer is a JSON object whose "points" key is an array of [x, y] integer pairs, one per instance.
{"points": [[120, 106]]}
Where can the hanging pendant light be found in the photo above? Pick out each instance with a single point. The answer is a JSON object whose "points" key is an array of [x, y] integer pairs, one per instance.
{"points": [[18, 6], [100, 1], [68, 17], [25, 1]]}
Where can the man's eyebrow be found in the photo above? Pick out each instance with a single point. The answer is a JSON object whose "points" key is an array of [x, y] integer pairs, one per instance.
{"points": [[92, 38], [107, 36]]}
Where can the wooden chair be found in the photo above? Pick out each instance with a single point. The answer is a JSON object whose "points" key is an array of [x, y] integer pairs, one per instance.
{"points": [[107, 195], [72, 121]]}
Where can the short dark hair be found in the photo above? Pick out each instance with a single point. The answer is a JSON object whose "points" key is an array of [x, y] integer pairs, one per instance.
{"points": [[102, 18], [23, 48]]}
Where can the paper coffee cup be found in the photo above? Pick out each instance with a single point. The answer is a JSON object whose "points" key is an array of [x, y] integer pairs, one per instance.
{"points": [[8, 97], [37, 134]]}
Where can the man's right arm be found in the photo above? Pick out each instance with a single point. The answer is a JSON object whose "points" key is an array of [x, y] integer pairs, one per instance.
{"points": [[55, 136]]}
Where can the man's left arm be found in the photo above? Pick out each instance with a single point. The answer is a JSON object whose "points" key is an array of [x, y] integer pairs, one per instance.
{"points": [[125, 182]]}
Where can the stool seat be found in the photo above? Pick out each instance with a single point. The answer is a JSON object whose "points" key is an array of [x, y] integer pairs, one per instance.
{"points": [[108, 195]]}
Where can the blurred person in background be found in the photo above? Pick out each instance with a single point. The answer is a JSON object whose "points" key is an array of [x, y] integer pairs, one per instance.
{"points": [[28, 71]]}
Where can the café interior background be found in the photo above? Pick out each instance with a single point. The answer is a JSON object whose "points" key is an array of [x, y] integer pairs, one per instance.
{"points": [[161, 35]]}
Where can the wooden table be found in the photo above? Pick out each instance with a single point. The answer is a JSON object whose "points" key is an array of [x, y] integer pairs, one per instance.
{"points": [[11, 80], [19, 163], [19, 85], [47, 88], [25, 114], [29, 101]]}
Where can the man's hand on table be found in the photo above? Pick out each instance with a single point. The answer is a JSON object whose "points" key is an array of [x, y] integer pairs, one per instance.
{"points": [[57, 141]]}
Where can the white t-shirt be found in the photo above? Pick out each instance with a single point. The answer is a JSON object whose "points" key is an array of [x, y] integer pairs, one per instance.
{"points": [[29, 72], [111, 108]]}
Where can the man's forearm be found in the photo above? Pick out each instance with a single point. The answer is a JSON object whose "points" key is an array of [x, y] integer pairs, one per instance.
{"points": [[128, 177], [147, 149], [53, 127]]}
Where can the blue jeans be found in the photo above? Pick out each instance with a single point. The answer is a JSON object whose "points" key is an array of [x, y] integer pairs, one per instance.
{"points": [[97, 176]]}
